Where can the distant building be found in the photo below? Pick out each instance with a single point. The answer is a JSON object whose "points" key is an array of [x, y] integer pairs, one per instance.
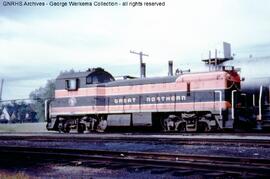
{"points": [[17, 113], [4, 117]]}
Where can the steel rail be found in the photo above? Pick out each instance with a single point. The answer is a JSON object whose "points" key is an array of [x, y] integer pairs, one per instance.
{"points": [[236, 165], [142, 139]]}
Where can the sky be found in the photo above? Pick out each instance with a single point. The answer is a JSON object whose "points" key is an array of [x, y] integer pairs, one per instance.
{"points": [[36, 43]]}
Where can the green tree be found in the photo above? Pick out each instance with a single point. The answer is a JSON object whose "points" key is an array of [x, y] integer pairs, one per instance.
{"points": [[39, 96]]}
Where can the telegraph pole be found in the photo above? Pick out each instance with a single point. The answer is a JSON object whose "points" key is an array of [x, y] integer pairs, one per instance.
{"points": [[141, 54], [1, 89]]}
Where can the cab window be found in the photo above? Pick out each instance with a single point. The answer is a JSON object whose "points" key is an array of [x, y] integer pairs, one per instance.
{"points": [[72, 84]]}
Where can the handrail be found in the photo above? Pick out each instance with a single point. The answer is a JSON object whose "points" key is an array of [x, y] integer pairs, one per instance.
{"points": [[233, 106], [260, 104], [253, 100], [46, 109], [220, 101]]}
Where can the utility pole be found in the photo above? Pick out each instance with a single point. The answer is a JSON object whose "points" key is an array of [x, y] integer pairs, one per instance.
{"points": [[1, 89], [141, 54]]}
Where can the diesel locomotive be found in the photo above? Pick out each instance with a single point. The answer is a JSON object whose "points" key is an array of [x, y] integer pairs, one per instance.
{"points": [[204, 101]]}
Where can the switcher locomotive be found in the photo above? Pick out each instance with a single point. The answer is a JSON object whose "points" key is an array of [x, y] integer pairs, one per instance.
{"points": [[94, 101]]}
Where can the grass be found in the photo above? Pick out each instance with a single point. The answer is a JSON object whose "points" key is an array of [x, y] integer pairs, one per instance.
{"points": [[23, 127], [4, 128]]}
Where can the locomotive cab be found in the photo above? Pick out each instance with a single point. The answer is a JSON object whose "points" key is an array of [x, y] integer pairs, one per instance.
{"points": [[68, 86]]}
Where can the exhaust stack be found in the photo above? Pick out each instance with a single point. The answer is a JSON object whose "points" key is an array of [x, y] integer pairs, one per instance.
{"points": [[143, 70], [170, 70]]}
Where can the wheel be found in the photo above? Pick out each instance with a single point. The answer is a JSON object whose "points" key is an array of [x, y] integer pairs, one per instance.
{"points": [[81, 128], [182, 128], [66, 129], [168, 125], [102, 126], [60, 127], [203, 127]]}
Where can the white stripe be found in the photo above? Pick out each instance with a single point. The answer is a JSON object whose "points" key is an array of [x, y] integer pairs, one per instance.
{"points": [[142, 93]]}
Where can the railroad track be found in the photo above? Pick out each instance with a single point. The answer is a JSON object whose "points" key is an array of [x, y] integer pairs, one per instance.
{"points": [[249, 141], [232, 165]]}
